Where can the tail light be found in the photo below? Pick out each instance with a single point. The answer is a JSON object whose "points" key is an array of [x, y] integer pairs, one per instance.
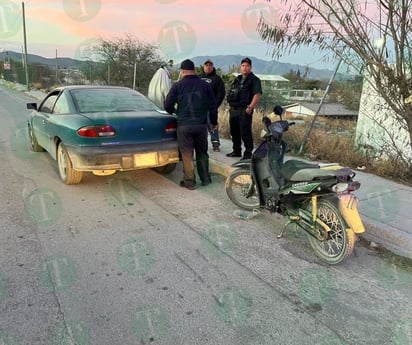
{"points": [[96, 131], [345, 187], [171, 127]]}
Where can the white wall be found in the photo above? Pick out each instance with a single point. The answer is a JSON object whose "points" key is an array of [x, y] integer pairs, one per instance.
{"points": [[377, 125]]}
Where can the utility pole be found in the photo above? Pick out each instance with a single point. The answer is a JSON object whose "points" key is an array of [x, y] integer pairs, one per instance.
{"points": [[332, 78], [26, 66], [57, 69], [134, 77]]}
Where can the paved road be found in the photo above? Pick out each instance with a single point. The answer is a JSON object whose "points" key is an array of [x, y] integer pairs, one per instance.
{"points": [[135, 259]]}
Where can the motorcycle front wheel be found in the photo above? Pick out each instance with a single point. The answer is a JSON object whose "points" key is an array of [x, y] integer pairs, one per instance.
{"points": [[241, 189], [340, 241]]}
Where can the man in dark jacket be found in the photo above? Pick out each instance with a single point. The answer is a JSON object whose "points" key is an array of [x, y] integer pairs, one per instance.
{"points": [[218, 86], [194, 100], [243, 96]]}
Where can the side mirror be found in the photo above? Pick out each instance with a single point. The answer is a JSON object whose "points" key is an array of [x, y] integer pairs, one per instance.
{"points": [[278, 110], [31, 106]]}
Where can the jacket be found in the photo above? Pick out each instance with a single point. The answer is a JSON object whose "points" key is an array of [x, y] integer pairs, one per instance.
{"points": [[242, 90], [191, 99], [217, 85]]}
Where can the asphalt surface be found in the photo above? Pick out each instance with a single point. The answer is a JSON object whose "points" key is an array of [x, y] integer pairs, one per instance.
{"points": [[384, 206]]}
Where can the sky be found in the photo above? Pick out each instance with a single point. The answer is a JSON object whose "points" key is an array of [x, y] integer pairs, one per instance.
{"points": [[180, 28]]}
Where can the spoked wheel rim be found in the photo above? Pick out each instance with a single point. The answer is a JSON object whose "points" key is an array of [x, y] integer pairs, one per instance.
{"points": [[340, 241], [241, 190]]}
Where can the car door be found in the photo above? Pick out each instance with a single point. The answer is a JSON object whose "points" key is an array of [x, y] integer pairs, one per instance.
{"points": [[40, 122]]}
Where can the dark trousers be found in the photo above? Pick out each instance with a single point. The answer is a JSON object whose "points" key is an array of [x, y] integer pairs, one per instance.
{"points": [[241, 129], [193, 139], [214, 135]]}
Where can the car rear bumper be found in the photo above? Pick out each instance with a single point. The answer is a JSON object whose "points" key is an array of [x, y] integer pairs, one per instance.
{"points": [[125, 157]]}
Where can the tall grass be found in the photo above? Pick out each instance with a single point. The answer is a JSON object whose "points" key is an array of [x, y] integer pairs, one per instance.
{"points": [[330, 140]]}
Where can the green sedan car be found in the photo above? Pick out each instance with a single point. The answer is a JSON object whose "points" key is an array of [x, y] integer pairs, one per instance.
{"points": [[102, 129]]}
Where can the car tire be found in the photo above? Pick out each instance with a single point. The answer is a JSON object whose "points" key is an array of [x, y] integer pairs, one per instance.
{"points": [[34, 145], [165, 169], [67, 174]]}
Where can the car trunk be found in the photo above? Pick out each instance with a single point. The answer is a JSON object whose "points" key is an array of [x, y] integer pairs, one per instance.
{"points": [[134, 128]]}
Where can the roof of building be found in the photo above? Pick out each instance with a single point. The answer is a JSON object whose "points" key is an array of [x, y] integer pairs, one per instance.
{"points": [[268, 77], [329, 109]]}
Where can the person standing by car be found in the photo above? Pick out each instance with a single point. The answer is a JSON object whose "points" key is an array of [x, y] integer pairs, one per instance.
{"points": [[209, 76], [194, 100], [243, 96]]}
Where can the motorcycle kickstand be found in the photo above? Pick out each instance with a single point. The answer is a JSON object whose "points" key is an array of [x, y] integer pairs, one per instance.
{"points": [[284, 229]]}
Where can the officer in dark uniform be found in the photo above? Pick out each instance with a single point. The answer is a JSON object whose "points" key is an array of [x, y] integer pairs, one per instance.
{"points": [[243, 96]]}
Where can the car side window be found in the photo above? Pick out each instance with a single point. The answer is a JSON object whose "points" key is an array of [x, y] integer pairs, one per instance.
{"points": [[62, 105], [48, 103]]}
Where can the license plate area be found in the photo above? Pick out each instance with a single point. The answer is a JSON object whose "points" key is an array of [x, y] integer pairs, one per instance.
{"points": [[144, 160]]}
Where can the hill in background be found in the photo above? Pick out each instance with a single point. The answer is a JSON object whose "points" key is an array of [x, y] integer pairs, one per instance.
{"points": [[259, 66], [224, 62]]}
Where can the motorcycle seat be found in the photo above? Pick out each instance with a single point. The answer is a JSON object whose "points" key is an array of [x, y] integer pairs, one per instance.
{"points": [[296, 170]]}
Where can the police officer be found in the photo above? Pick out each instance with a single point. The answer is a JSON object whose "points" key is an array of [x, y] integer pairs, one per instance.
{"points": [[243, 96]]}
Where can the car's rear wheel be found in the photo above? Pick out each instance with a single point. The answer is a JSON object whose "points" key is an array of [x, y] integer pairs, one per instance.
{"points": [[34, 145], [165, 169], [67, 174]]}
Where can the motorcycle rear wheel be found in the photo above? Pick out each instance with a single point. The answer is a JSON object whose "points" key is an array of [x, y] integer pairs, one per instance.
{"points": [[341, 240], [238, 185]]}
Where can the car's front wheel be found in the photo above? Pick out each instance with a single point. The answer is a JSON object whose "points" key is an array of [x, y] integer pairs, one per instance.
{"points": [[67, 174]]}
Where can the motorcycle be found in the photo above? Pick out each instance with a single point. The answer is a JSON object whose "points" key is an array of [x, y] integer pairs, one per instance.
{"points": [[316, 198]]}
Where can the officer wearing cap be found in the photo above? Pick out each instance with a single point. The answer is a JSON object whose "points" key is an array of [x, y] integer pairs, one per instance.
{"points": [[218, 86], [243, 96], [194, 100]]}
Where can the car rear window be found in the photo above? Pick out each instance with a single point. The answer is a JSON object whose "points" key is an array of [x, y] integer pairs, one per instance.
{"points": [[111, 100]]}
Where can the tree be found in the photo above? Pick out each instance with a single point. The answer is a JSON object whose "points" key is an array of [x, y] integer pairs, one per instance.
{"points": [[121, 55], [373, 36]]}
